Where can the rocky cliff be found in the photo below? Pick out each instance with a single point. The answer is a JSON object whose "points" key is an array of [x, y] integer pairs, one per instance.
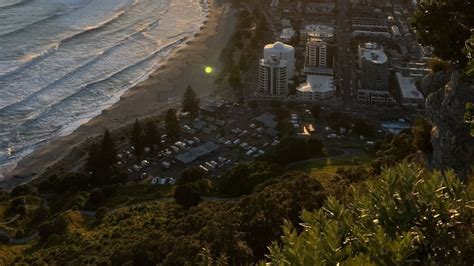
{"points": [[453, 146]]}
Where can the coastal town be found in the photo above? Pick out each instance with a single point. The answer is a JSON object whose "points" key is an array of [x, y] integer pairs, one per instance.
{"points": [[324, 59], [236, 132]]}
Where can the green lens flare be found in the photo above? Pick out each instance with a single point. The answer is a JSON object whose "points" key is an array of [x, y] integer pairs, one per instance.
{"points": [[208, 70]]}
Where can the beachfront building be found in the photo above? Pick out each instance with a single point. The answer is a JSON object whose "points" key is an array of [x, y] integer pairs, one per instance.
{"points": [[287, 34], [316, 88], [272, 77], [324, 32], [373, 63], [319, 57], [377, 97], [284, 52], [374, 67], [410, 95], [327, 8]]}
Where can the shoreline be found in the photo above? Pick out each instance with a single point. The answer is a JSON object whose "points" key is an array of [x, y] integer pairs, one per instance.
{"points": [[149, 97]]}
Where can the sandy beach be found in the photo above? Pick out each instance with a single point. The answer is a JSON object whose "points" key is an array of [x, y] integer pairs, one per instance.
{"points": [[150, 97]]}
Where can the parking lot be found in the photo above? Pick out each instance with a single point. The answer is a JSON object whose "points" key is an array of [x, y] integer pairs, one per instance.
{"points": [[219, 138]]}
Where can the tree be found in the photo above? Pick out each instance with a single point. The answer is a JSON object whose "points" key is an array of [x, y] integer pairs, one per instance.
{"points": [[186, 196], [102, 156], [315, 111], [101, 164], [235, 79], [108, 153], [151, 137], [172, 124], [243, 63], [403, 217], [136, 139], [445, 25], [190, 101], [422, 135], [363, 128], [469, 51], [244, 177], [190, 175]]}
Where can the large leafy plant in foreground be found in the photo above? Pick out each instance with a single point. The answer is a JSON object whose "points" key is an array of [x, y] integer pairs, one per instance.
{"points": [[406, 216]]}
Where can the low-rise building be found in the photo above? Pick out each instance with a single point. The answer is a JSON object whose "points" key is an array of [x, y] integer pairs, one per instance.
{"points": [[322, 31], [378, 97], [316, 88], [287, 35], [410, 95], [320, 8]]}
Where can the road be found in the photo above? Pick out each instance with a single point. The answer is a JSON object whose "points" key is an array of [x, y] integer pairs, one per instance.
{"points": [[343, 44]]}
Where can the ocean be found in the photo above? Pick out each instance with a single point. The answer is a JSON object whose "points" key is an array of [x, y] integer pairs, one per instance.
{"points": [[63, 61]]}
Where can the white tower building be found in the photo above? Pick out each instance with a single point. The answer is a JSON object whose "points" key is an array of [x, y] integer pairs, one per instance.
{"points": [[273, 77], [281, 51]]}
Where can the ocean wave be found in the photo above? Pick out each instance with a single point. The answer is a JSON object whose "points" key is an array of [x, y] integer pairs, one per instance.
{"points": [[81, 103], [141, 31], [17, 3], [88, 89], [55, 46]]}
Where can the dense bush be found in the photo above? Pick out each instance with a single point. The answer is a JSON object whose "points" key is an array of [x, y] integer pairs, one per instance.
{"points": [[404, 217], [244, 177], [293, 149]]}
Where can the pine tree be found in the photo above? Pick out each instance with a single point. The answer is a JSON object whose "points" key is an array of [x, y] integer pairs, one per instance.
{"points": [[136, 138], [108, 151], [172, 124], [190, 101], [101, 159], [235, 78], [152, 135]]}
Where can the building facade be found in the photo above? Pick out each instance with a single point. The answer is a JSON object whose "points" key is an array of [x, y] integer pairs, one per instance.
{"points": [[316, 88], [273, 77], [374, 67], [319, 56], [375, 97], [284, 52], [410, 95]]}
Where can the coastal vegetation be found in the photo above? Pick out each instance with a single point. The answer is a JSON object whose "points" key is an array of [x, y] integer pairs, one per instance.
{"points": [[405, 216], [387, 207], [190, 102]]}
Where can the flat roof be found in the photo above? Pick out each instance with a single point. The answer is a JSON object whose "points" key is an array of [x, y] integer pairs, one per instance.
{"points": [[287, 33], [373, 52], [267, 119], [319, 30], [317, 83], [408, 87], [197, 152]]}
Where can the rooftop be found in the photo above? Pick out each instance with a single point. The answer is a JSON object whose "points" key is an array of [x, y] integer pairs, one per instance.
{"points": [[197, 152], [373, 52], [279, 46], [287, 34], [317, 83], [319, 30], [408, 87], [274, 62], [268, 119]]}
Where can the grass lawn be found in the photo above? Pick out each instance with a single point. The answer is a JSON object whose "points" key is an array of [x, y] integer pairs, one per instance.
{"points": [[135, 193], [330, 165]]}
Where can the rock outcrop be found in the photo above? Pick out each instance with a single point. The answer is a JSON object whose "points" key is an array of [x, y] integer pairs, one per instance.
{"points": [[453, 146], [434, 81]]}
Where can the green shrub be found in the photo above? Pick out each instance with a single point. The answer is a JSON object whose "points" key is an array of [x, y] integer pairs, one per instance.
{"points": [[404, 217]]}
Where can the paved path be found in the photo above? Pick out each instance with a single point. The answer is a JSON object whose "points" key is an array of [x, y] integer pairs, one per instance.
{"points": [[20, 241]]}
